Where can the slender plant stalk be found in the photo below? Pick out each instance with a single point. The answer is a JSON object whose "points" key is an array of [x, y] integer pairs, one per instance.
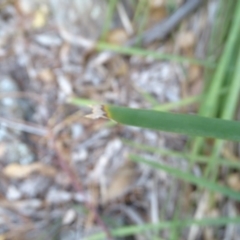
{"points": [[190, 178], [83, 102], [101, 46], [108, 20], [181, 155], [132, 230]]}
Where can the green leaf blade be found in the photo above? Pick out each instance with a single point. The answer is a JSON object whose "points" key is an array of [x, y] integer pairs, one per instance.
{"points": [[192, 125]]}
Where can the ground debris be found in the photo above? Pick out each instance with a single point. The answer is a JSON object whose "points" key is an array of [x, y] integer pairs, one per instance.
{"points": [[17, 171], [60, 173]]}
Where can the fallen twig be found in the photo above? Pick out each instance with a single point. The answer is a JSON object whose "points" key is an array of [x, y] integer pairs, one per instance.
{"points": [[162, 29], [29, 95], [78, 187], [24, 126]]}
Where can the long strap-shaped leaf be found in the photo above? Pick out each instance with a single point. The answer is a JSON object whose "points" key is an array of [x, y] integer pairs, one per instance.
{"points": [[190, 178], [179, 123]]}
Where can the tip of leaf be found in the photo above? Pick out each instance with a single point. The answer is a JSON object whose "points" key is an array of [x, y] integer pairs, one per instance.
{"points": [[97, 112]]}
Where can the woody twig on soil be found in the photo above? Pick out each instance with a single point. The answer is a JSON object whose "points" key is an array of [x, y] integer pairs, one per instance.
{"points": [[78, 187]]}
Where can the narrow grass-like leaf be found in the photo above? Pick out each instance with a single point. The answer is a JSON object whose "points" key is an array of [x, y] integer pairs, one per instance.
{"points": [[174, 105], [133, 230], [199, 159], [209, 106], [212, 95], [147, 96], [192, 125], [83, 102], [153, 54], [228, 112], [220, 30], [185, 176], [234, 90]]}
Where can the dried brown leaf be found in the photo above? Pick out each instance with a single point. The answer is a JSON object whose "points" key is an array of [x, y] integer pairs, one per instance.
{"points": [[157, 14], [194, 73], [234, 181], [118, 67], [117, 36], [18, 171], [46, 75], [121, 182], [186, 40]]}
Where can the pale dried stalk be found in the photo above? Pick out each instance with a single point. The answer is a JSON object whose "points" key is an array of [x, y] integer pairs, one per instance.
{"points": [[30, 95], [200, 212], [125, 19], [24, 126]]}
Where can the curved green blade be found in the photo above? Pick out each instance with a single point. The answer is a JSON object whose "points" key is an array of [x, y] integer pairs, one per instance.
{"points": [[193, 125]]}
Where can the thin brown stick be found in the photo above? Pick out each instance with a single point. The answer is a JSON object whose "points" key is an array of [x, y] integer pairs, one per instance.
{"points": [[162, 29], [75, 40], [67, 121], [78, 187], [30, 95], [158, 32]]}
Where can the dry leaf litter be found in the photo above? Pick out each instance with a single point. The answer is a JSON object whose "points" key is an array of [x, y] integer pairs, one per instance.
{"points": [[54, 163]]}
